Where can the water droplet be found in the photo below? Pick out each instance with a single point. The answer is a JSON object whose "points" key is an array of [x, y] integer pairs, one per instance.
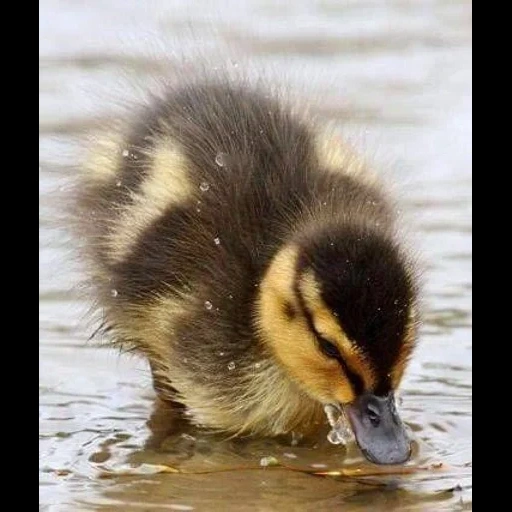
{"points": [[208, 305], [118, 183], [217, 241], [340, 432], [268, 461], [331, 412], [125, 153], [334, 437], [220, 159], [296, 437], [114, 292], [332, 244], [221, 353], [204, 187], [231, 366]]}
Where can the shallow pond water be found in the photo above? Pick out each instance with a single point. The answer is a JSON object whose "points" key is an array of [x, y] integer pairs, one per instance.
{"points": [[396, 76]]}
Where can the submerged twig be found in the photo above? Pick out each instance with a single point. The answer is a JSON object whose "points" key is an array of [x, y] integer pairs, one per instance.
{"points": [[145, 469]]}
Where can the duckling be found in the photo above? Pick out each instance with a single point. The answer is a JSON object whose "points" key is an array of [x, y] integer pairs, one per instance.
{"points": [[252, 258]]}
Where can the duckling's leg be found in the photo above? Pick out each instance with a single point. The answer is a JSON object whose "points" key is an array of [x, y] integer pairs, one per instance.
{"points": [[166, 419], [167, 416], [165, 392]]}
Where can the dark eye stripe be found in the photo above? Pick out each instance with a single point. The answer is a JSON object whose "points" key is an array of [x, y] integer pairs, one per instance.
{"points": [[331, 350], [328, 348], [355, 380]]}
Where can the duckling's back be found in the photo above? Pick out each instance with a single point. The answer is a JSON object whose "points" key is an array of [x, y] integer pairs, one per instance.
{"points": [[210, 171]]}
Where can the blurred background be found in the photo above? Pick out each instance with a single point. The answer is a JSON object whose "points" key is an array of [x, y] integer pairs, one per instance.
{"points": [[396, 77]]}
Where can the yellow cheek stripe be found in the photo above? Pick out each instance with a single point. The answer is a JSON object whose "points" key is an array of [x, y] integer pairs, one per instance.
{"points": [[325, 323], [291, 341]]}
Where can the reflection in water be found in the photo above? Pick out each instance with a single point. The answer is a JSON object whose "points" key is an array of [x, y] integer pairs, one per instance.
{"points": [[397, 78]]}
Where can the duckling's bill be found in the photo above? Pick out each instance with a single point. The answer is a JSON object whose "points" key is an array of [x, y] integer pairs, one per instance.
{"points": [[378, 429]]}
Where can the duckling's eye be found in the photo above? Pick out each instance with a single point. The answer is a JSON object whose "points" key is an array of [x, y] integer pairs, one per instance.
{"points": [[328, 348]]}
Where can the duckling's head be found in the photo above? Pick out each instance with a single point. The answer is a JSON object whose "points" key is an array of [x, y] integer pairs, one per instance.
{"points": [[337, 310]]}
